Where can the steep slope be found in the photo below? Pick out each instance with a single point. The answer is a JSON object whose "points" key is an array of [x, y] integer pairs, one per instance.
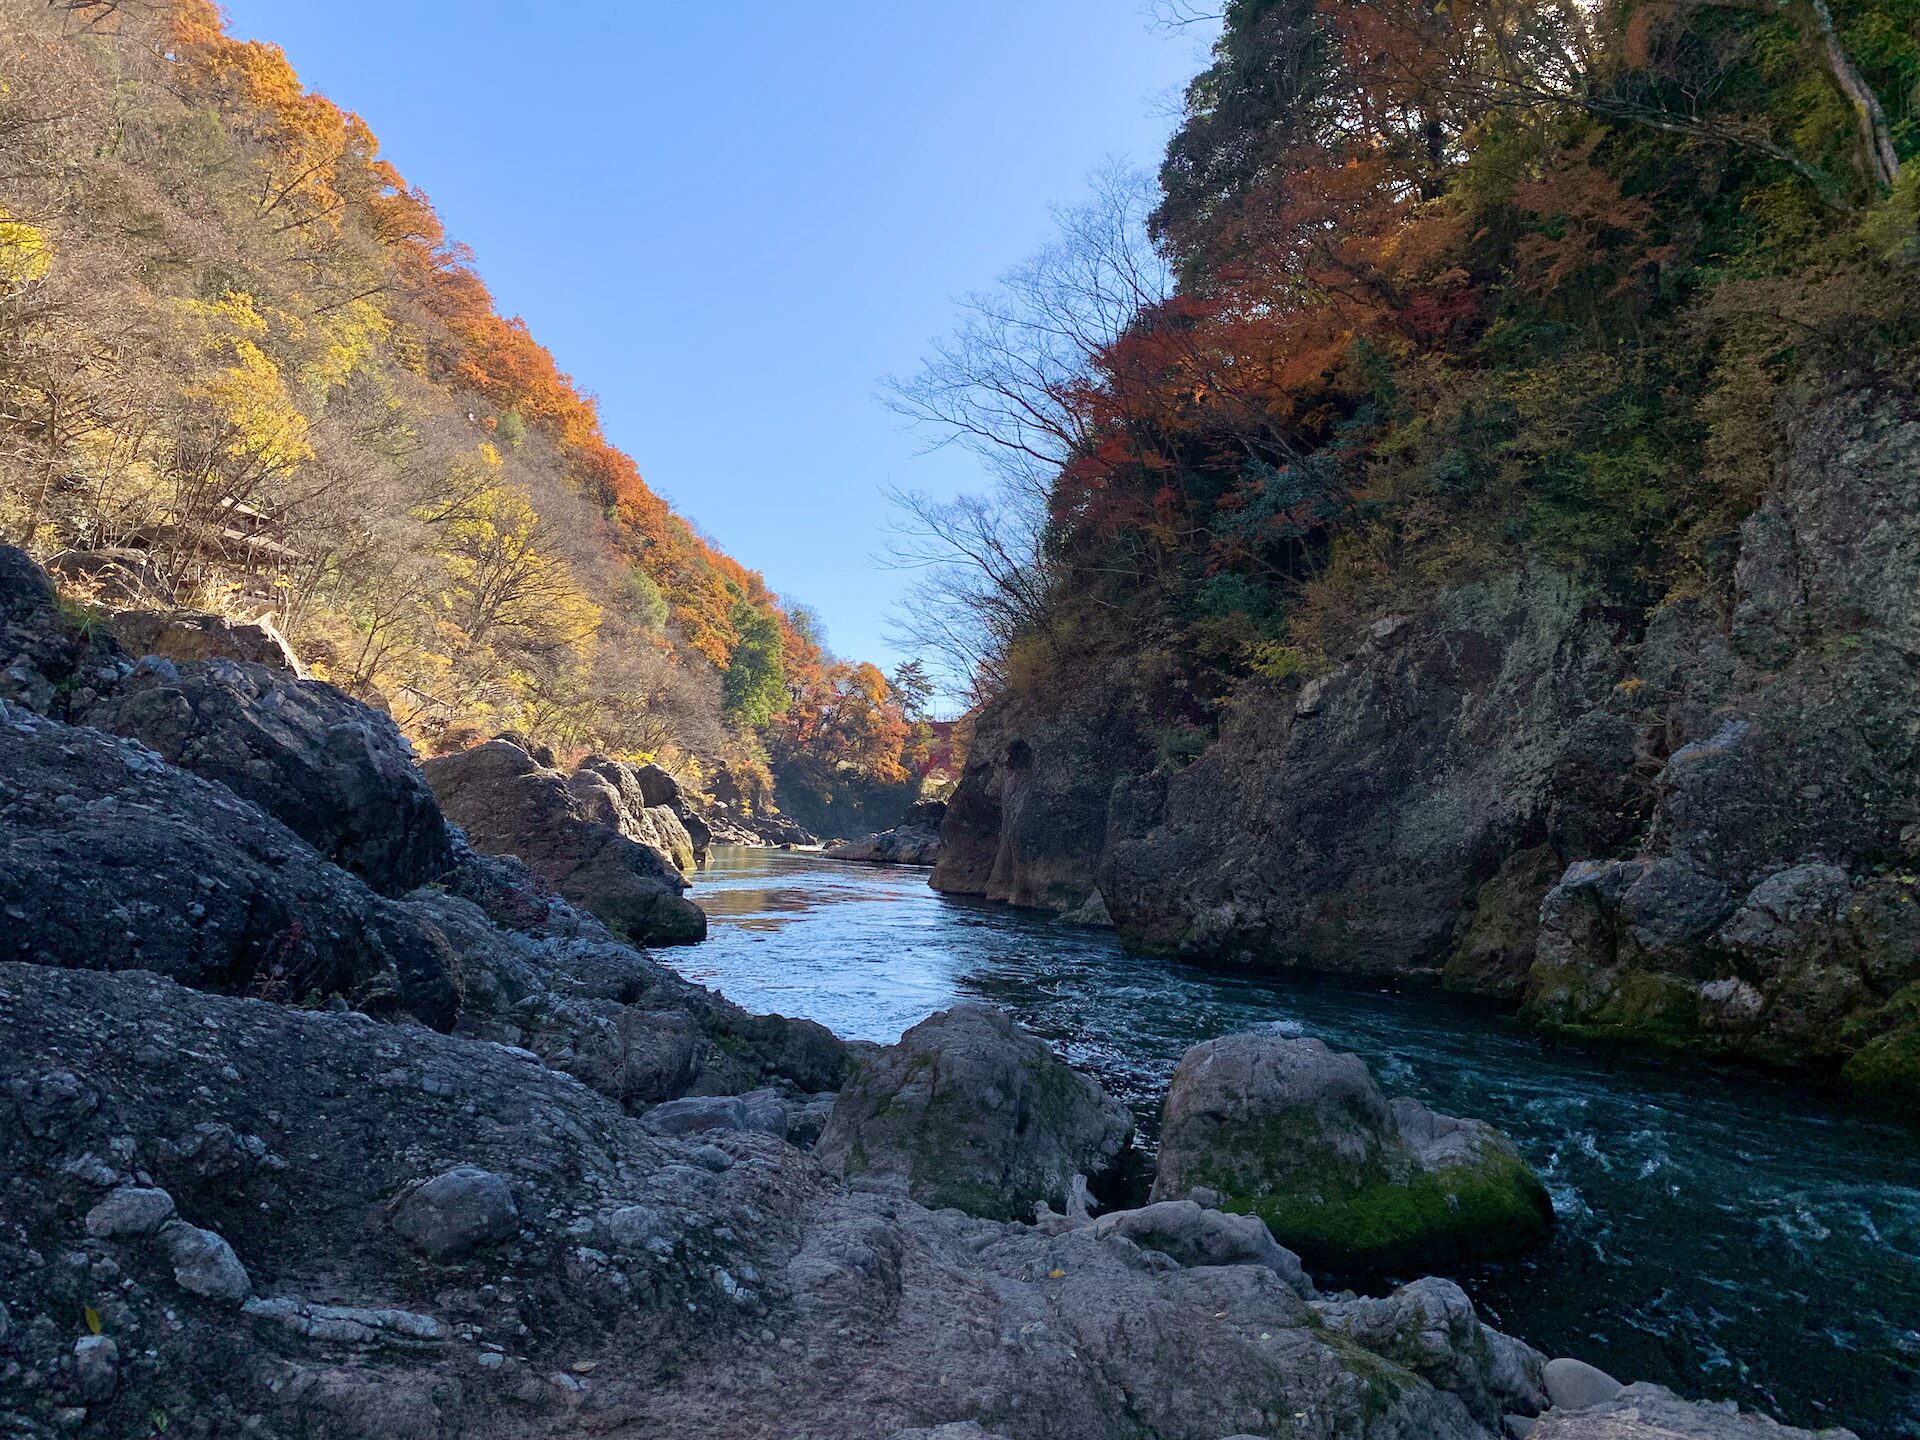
{"points": [[243, 368], [1494, 563]]}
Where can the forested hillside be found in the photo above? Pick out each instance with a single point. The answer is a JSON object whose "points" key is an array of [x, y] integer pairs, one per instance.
{"points": [[1462, 519], [1426, 288], [241, 358]]}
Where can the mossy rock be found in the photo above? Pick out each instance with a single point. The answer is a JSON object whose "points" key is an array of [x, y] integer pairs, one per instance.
{"points": [[1433, 1221], [1642, 1006], [1352, 1182], [969, 1112], [1887, 1064]]}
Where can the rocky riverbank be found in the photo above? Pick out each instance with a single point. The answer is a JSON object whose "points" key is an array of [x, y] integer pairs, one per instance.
{"points": [[1692, 826], [319, 1122], [914, 841]]}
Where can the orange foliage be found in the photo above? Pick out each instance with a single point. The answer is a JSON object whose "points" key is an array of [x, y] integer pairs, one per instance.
{"points": [[318, 161]]}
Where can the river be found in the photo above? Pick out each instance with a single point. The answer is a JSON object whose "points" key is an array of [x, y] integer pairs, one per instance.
{"points": [[1727, 1235]]}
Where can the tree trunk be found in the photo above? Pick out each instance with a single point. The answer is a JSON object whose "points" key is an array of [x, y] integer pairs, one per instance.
{"points": [[1883, 161]]}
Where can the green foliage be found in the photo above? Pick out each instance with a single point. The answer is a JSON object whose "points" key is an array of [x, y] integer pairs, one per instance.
{"points": [[754, 687], [642, 603]]}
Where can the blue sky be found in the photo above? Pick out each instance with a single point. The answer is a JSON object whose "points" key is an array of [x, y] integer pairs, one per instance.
{"points": [[730, 221]]}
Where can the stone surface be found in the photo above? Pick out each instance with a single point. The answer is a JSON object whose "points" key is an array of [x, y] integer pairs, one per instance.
{"points": [[914, 841], [347, 1324], [458, 1211], [1574, 1385], [697, 1115], [336, 772], [1649, 1412], [112, 859], [969, 1111], [130, 1210], [189, 635], [1288, 1130], [508, 803]]}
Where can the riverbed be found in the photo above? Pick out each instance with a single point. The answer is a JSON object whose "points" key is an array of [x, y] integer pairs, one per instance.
{"points": [[1731, 1236]]}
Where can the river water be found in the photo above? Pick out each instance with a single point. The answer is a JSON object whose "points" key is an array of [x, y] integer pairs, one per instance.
{"points": [[1730, 1236]]}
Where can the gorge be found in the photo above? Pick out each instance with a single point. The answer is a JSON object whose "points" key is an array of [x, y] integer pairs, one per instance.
{"points": [[1376, 900]]}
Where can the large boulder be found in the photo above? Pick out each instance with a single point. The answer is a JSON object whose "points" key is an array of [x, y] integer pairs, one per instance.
{"points": [[111, 859], [190, 635], [611, 792], [336, 772], [1303, 1137], [914, 841], [969, 1111], [510, 804]]}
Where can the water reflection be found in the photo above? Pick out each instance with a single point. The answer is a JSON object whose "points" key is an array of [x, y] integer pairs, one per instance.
{"points": [[1725, 1235]]}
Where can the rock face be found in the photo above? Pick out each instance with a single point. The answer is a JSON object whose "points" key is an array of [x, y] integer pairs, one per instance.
{"points": [[968, 1111], [1302, 1137], [1721, 793], [1768, 909], [511, 804], [1346, 825], [337, 773], [111, 859], [1028, 822], [914, 841]]}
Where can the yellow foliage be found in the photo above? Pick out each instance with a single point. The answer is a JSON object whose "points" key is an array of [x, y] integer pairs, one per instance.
{"points": [[350, 338], [25, 255], [249, 393], [506, 585]]}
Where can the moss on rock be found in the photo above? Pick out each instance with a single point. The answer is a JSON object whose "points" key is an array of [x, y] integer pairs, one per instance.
{"points": [[1644, 1006], [1303, 1138], [1432, 1220]]}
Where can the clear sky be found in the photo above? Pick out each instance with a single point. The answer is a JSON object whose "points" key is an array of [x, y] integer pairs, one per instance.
{"points": [[731, 220]]}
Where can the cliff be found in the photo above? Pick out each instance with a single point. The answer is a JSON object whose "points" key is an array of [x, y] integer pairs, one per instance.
{"points": [[1692, 824]]}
